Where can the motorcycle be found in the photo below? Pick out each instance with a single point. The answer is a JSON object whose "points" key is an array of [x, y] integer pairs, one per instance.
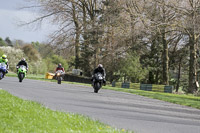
{"points": [[97, 82], [59, 75], [21, 72], [3, 69]]}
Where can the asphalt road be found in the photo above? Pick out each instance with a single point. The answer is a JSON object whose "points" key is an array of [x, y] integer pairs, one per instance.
{"points": [[118, 109]]}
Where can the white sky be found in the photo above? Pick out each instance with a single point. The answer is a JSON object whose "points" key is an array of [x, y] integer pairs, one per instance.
{"points": [[10, 17]]}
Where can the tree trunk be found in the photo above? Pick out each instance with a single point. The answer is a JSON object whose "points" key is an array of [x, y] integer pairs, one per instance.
{"points": [[85, 50], [132, 29], [77, 44], [165, 49], [179, 74], [95, 43], [157, 71], [192, 64], [165, 59]]}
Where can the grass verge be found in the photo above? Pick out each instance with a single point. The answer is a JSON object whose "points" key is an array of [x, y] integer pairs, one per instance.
{"points": [[17, 115], [30, 76], [186, 100]]}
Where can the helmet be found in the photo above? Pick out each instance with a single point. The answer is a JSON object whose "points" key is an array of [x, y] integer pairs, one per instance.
{"points": [[59, 65], [100, 66], [23, 59], [4, 57]]}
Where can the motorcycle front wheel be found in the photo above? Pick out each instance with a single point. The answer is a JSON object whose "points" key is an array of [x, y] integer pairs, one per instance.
{"points": [[21, 77], [1, 75], [59, 80], [97, 86]]}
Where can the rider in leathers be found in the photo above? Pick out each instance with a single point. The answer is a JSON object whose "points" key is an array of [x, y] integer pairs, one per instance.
{"points": [[102, 71], [22, 62], [4, 59]]}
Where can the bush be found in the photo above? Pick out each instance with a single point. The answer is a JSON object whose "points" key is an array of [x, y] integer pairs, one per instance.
{"points": [[38, 67], [31, 52], [1, 52], [13, 55], [53, 61]]}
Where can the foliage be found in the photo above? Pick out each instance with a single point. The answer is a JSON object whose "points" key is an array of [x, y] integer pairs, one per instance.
{"points": [[1, 52], [45, 50], [53, 61], [58, 59], [8, 41], [104, 31], [71, 62], [51, 67], [38, 67], [2, 42], [132, 70], [112, 67], [30, 52], [14, 56]]}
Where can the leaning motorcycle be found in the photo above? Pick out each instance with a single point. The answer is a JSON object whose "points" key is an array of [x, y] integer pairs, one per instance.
{"points": [[97, 82], [21, 72], [3, 68], [59, 75]]}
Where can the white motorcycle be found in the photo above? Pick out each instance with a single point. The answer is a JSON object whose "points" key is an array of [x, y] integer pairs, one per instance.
{"points": [[59, 76]]}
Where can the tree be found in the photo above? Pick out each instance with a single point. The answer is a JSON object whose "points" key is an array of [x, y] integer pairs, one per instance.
{"points": [[105, 31], [13, 55], [30, 52], [18, 43], [152, 59], [132, 70], [162, 20], [58, 59], [8, 41], [65, 14], [192, 24], [188, 24], [2, 42], [53, 61]]}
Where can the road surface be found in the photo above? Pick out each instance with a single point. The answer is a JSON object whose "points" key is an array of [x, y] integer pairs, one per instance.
{"points": [[118, 109]]}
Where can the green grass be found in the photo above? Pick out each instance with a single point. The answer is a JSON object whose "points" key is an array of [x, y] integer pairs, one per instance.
{"points": [[11, 74], [186, 100], [30, 76], [22, 116]]}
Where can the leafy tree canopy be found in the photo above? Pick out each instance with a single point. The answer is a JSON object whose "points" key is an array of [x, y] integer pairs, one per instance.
{"points": [[31, 52], [2, 42]]}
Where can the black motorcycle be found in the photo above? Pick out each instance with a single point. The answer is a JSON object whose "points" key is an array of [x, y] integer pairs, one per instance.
{"points": [[97, 82]]}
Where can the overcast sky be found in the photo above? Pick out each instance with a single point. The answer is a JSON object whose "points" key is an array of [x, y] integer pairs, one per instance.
{"points": [[10, 17]]}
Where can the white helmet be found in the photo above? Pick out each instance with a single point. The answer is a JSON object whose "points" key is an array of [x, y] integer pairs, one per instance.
{"points": [[100, 65], [23, 59]]}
